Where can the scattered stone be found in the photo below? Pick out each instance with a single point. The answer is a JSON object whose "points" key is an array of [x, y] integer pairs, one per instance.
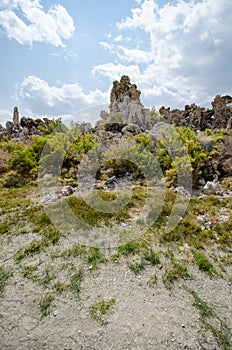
{"points": [[206, 224], [51, 198], [223, 218], [202, 182], [212, 188], [67, 190], [182, 191]]}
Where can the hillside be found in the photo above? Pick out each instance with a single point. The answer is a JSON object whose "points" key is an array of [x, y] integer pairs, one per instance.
{"points": [[118, 236]]}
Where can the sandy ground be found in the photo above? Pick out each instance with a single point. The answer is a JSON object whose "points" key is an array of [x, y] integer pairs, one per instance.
{"points": [[143, 317]]}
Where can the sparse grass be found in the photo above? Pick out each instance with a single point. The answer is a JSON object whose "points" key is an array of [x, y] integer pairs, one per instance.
{"points": [[4, 227], [152, 257], [204, 309], [204, 263], [152, 281], [35, 247], [220, 330], [95, 257], [176, 272], [75, 282], [47, 276], [4, 276], [60, 287], [92, 216], [131, 248], [75, 251], [45, 305], [136, 267], [100, 309], [29, 272]]}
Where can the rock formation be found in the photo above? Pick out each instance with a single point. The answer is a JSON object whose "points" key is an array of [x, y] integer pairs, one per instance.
{"points": [[22, 128], [126, 105], [200, 118], [128, 116], [16, 118]]}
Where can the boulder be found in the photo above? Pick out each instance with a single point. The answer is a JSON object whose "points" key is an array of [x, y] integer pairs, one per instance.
{"points": [[131, 129]]}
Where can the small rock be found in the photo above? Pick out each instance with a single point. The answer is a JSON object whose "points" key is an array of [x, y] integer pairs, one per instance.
{"points": [[212, 187], [67, 190], [182, 191]]}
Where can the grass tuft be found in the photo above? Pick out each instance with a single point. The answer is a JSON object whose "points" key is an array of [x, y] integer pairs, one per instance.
{"points": [[100, 309], [204, 263], [4, 275]]}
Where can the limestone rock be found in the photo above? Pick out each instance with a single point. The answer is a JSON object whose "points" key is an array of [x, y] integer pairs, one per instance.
{"points": [[9, 127], [131, 129], [16, 118], [67, 190], [200, 118], [212, 188], [86, 128], [125, 100], [222, 109]]}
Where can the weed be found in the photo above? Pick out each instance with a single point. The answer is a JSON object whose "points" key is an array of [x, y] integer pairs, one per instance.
{"points": [[204, 263], [152, 257], [95, 257], [136, 267], [60, 287], [29, 272], [46, 305], [75, 282], [100, 309], [4, 227], [132, 247], [47, 276], [204, 309], [52, 235], [4, 275], [35, 247], [152, 281], [75, 251], [221, 332], [177, 271]]}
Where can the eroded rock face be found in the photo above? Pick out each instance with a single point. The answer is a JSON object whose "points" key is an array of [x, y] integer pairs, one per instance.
{"points": [[16, 118], [222, 109], [200, 118], [125, 100]]}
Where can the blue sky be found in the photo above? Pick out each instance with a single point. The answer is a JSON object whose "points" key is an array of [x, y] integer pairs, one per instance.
{"points": [[58, 57]]}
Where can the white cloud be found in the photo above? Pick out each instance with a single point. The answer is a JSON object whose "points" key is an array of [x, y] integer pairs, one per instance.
{"points": [[40, 98], [5, 116], [118, 38], [105, 45], [188, 53], [115, 71], [27, 22]]}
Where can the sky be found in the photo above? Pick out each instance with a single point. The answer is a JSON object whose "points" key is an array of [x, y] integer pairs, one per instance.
{"points": [[60, 57]]}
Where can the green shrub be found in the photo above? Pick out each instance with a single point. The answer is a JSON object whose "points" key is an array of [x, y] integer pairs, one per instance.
{"points": [[25, 159], [180, 152]]}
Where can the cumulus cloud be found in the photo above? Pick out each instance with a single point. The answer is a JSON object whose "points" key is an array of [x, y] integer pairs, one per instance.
{"points": [[27, 22], [115, 71], [189, 51], [5, 116], [41, 98]]}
